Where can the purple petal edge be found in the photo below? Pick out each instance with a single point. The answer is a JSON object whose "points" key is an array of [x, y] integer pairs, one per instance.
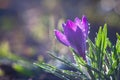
{"points": [[61, 37], [85, 24], [71, 25]]}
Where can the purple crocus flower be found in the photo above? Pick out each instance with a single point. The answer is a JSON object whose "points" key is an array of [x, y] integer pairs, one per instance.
{"points": [[74, 35]]}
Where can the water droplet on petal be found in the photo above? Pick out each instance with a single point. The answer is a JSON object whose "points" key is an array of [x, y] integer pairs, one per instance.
{"points": [[75, 77], [88, 24], [63, 71], [88, 32], [63, 76], [86, 51], [70, 71]]}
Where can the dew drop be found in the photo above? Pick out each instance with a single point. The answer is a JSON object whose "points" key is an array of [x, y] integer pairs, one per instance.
{"points": [[89, 24], [75, 77], [96, 33], [71, 71], [88, 32], [86, 40], [86, 51], [63, 71]]}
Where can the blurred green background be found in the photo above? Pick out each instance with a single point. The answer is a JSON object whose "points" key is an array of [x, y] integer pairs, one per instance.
{"points": [[26, 32]]}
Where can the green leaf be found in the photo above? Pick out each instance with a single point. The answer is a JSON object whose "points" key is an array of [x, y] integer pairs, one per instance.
{"points": [[52, 69], [22, 69], [69, 64], [78, 59], [98, 38], [63, 74], [92, 54], [101, 42], [118, 44], [96, 71], [101, 39]]}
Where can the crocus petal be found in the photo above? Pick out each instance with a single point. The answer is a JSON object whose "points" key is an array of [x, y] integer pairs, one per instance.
{"points": [[75, 34], [71, 25], [77, 20], [69, 28], [63, 25], [76, 40], [61, 37], [84, 19], [85, 25], [78, 23], [80, 43]]}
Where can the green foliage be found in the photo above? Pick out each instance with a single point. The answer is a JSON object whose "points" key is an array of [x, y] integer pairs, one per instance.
{"points": [[103, 61], [23, 69], [63, 74], [6, 53], [18, 63]]}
